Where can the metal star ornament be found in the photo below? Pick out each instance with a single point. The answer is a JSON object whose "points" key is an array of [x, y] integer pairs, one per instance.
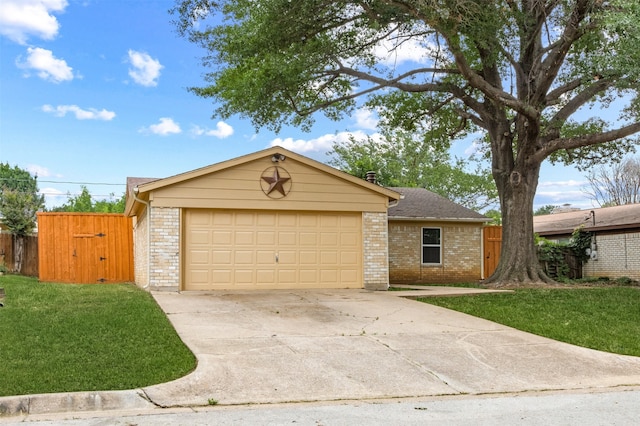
{"points": [[276, 179]]}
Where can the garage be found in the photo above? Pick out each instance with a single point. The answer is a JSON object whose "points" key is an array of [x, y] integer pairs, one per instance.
{"points": [[273, 219], [226, 249]]}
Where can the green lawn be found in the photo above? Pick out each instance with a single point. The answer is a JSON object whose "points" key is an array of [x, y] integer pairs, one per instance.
{"points": [[603, 318], [66, 337]]}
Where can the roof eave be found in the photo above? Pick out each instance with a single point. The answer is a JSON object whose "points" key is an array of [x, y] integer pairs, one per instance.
{"points": [[439, 219]]}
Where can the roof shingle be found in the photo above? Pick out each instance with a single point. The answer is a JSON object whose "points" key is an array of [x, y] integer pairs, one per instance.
{"points": [[419, 203]]}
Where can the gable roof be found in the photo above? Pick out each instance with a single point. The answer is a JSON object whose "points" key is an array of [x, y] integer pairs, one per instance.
{"points": [[606, 218], [141, 187], [421, 204]]}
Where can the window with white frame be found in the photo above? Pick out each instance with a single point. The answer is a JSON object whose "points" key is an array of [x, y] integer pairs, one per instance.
{"points": [[431, 246]]}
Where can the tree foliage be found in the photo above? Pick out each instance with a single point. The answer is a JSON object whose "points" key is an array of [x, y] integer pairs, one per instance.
{"points": [[548, 209], [19, 199], [83, 203], [401, 160], [617, 184], [522, 72]]}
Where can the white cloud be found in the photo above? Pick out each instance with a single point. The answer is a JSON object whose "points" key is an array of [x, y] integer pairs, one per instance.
{"points": [[222, 130], [322, 143], [165, 127], [146, 70], [46, 65], [366, 119], [81, 114], [563, 183], [21, 18], [391, 53], [40, 171]]}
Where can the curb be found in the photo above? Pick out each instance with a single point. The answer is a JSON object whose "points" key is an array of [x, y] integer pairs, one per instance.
{"points": [[73, 402]]}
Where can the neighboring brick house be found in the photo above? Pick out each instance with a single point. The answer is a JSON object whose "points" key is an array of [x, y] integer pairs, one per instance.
{"points": [[433, 240], [615, 248], [278, 220]]}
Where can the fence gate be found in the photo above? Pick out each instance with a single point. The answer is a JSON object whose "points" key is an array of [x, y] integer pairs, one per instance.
{"points": [[492, 243], [85, 248]]}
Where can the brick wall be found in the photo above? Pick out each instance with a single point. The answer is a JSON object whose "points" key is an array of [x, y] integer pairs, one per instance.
{"points": [[164, 268], [375, 247], [618, 256], [141, 250], [461, 253]]}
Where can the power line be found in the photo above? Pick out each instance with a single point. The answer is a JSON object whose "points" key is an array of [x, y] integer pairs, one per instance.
{"points": [[67, 182]]}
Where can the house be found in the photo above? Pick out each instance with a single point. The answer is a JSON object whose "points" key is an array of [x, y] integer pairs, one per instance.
{"points": [[275, 219], [433, 240], [615, 247]]}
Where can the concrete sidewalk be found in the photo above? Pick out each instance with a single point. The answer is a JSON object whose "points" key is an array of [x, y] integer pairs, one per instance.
{"points": [[323, 345]]}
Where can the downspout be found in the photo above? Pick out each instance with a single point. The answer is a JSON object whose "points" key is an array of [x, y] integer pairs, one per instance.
{"points": [[146, 203]]}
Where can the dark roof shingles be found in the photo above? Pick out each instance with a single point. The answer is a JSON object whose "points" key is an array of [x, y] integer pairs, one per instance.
{"points": [[419, 203]]}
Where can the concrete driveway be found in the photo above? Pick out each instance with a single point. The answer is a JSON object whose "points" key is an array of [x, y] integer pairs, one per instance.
{"points": [[320, 345]]}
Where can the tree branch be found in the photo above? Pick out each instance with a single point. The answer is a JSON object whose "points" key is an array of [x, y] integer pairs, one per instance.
{"points": [[586, 140]]}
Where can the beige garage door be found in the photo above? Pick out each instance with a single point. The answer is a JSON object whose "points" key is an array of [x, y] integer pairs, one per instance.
{"points": [[227, 249]]}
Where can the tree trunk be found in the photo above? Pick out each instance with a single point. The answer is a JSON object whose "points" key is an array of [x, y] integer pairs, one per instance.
{"points": [[518, 260], [18, 250]]}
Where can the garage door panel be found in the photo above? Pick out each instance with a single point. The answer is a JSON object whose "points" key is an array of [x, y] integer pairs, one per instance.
{"points": [[265, 276], [287, 238], [349, 276], [308, 238], [287, 257], [265, 238], [219, 237], [328, 258], [244, 276], [200, 256], [349, 258], [220, 276], [244, 219], [350, 239], [265, 257], [244, 257], [219, 219], [308, 276], [329, 239], [246, 238], [308, 257], [200, 237], [288, 276], [253, 249]]}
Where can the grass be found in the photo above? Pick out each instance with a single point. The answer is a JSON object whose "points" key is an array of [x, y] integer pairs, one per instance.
{"points": [[603, 318], [66, 337]]}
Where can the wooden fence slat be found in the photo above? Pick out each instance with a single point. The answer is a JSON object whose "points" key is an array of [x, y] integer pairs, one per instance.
{"points": [[29, 254], [86, 247], [492, 242]]}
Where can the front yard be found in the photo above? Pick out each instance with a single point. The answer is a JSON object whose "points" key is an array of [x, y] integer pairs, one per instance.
{"points": [[65, 337], [605, 318]]}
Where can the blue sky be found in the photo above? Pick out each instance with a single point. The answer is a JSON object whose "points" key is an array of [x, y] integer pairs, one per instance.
{"points": [[93, 91]]}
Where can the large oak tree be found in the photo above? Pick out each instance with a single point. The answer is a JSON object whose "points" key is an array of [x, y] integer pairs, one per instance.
{"points": [[521, 71]]}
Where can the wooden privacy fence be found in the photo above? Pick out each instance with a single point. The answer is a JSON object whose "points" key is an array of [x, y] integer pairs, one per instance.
{"points": [[29, 254], [492, 243], [85, 248]]}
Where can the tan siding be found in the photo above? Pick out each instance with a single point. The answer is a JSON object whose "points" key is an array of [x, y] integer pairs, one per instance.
{"points": [[239, 187]]}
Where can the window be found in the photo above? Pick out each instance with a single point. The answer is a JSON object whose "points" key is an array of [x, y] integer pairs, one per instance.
{"points": [[431, 246]]}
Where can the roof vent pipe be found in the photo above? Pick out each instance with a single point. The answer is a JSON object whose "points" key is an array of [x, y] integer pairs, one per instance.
{"points": [[371, 177]]}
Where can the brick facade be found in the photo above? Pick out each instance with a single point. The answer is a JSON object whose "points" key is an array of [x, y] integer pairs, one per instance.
{"points": [[461, 253], [376, 253], [141, 250], [618, 256], [164, 250]]}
